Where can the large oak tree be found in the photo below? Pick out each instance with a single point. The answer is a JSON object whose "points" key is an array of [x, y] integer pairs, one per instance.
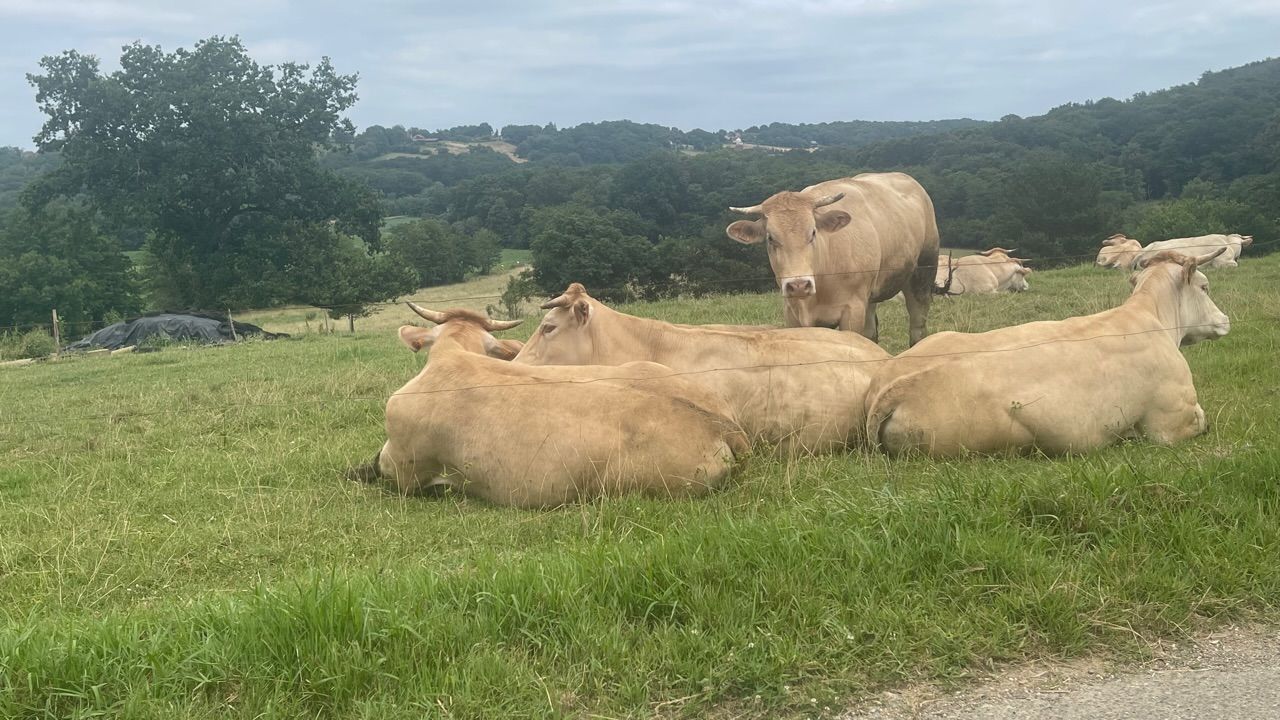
{"points": [[217, 156]]}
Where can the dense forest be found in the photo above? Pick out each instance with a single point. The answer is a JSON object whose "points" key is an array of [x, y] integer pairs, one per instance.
{"points": [[632, 208], [1201, 157]]}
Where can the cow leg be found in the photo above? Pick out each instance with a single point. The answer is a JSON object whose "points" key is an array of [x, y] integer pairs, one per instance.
{"points": [[797, 314], [918, 294], [790, 317], [871, 323], [411, 475], [1167, 428], [853, 318]]}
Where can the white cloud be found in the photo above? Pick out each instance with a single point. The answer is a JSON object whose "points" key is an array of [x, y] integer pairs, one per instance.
{"points": [[112, 12], [711, 63]]}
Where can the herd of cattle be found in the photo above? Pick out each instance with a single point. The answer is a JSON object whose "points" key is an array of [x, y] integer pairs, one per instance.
{"points": [[599, 402]]}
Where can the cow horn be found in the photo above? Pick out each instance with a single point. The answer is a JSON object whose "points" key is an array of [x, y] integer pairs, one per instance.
{"points": [[561, 301], [432, 315], [828, 200], [753, 210], [496, 325], [1208, 257], [570, 294]]}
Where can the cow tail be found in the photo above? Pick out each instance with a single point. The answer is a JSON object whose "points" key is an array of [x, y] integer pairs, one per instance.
{"points": [[951, 274]]}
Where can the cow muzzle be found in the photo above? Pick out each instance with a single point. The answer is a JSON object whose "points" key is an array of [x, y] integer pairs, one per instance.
{"points": [[799, 287]]}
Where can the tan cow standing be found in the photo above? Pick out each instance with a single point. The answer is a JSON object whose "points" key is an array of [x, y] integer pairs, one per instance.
{"points": [[840, 247], [544, 436], [1057, 387], [802, 388], [990, 271]]}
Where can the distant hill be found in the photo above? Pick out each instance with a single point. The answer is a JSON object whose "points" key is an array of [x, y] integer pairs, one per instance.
{"points": [[408, 161], [1221, 128], [852, 133]]}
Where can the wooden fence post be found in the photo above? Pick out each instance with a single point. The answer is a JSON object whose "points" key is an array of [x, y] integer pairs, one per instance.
{"points": [[232, 323], [57, 345]]}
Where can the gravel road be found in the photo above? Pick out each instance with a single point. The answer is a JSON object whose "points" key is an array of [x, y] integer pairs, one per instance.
{"points": [[1232, 674]]}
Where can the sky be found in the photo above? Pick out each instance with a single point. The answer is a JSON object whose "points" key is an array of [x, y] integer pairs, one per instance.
{"points": [[688, 63]]}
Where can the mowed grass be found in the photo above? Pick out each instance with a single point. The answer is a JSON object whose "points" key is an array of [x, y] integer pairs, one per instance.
{"points": [[178, 542]]}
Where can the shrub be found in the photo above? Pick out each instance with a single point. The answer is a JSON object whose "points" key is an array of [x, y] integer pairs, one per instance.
{"points": [[32, 344]]}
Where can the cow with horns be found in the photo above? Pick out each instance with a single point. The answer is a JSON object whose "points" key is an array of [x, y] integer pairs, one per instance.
{"points": [[544, 436], [840, 247]]}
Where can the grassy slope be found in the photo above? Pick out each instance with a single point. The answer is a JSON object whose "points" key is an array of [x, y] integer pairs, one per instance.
{"points": [[178, 543]]}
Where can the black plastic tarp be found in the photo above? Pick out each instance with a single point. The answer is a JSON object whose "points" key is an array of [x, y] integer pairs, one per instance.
{"points": [[187, 327]]}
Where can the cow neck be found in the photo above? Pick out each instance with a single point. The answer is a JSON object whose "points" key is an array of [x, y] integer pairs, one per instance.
{"points": [[1157, 294], [454, 342], [632, 337]]}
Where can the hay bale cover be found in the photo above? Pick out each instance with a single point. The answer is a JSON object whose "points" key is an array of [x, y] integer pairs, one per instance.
{"points": [[186, 327]]}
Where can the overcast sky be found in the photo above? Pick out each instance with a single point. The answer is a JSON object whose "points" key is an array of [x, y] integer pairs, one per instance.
{"points": [[690, 63]]}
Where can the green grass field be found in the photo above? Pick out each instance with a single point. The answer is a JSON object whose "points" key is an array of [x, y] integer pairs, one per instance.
{"points": [[178, 542]]}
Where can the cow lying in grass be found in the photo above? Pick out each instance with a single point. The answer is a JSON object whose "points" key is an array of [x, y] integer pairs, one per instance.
{"points": [[991, 271], [1120, 251], [544, 436], [802, 388], [1056, 387]]}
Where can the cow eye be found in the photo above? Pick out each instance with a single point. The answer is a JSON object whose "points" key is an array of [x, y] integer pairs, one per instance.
{"points": [[772, 243], [813, 235], [547, 329]]}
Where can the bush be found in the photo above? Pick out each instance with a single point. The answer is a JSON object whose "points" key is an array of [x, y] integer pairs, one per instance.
{"points": [[520, 288], [31, 344]]}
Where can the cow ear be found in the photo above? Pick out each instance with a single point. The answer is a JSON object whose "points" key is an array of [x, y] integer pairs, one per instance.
{"points": [[833, 220], [747, 232], [1022, 270], [501, 349], [582, 311], [416, 338]]}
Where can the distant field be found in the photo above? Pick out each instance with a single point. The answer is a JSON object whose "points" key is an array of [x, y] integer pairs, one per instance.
{"points": [[394, 220], [511, 257], [457, 148], [179, 542]]}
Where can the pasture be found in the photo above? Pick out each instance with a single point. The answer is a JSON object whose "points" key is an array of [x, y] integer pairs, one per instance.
{"points": [[178, 542]]}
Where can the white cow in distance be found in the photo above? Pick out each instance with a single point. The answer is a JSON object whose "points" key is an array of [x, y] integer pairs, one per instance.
{"points": [[990, 271], [1123, 252]]}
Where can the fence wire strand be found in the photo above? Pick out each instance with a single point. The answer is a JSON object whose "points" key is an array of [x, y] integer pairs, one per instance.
{"points": [[670, 285]]}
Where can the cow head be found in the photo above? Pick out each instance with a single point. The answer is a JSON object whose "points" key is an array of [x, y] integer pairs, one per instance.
{"points": [[1119, 251], [1018, 281], [1198, 317], [562, 338], [467, 328], [790, 224]]}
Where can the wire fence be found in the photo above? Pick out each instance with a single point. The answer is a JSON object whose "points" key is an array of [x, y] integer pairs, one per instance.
{"points": [[121, 415], [84, 327]]}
